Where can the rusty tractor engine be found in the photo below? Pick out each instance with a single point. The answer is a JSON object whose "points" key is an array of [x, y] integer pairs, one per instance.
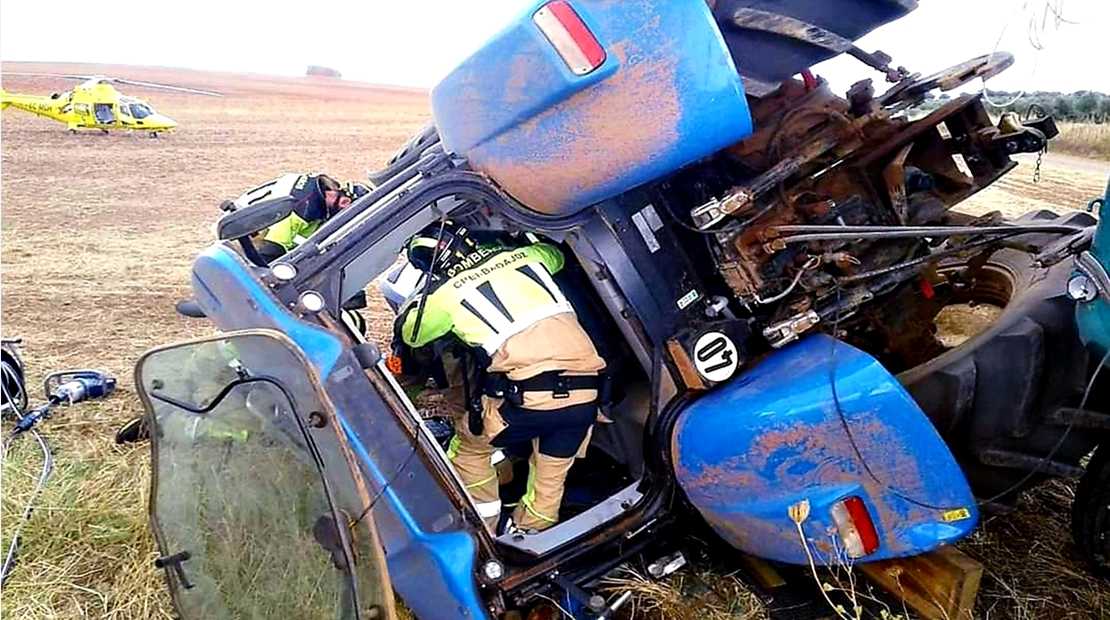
{"points": [[835, 202]]}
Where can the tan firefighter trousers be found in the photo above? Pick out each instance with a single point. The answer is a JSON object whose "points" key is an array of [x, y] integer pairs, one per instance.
{"points": [[555, 343]]}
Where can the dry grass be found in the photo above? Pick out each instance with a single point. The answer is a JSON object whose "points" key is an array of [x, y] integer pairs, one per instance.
{"points": [[98, 233], [1032, 570], [1083, 140], [690, 594], [959, 322], [85, 552]]}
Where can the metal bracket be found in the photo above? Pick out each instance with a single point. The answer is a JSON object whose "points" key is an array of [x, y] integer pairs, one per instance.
{"points": [[783, 333], [717, 209], [174, 561], [782, 25]]}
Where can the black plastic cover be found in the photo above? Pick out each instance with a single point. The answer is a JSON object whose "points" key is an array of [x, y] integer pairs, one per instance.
{"points": [[772, 58]]}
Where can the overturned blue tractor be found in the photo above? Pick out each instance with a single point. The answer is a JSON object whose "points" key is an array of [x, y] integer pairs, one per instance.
{"points": [[761, 262]]}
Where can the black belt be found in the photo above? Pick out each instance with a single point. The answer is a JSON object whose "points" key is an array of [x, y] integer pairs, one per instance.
{"points": [[499, 385]]}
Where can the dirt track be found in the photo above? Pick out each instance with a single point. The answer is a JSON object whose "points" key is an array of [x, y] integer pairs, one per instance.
{"points": [[98, 233], [1066, 182]]}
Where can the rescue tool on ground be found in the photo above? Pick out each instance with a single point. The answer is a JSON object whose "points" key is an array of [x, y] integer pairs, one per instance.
{"points": [[67, 387], [62, 388]]}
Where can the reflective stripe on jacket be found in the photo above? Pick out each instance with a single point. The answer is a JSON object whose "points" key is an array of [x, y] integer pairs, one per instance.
{"points": [[486, 304], [291, 232]]}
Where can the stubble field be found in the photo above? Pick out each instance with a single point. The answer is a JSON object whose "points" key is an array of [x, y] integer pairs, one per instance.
{"points": [[98, 233]]}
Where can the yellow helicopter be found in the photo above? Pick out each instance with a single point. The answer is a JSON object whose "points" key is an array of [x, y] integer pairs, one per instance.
{"points": [[96, 104]]}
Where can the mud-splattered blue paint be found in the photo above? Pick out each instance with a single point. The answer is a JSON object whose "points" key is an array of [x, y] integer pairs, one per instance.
{"points": [[773, 437], [221, 283], [666, 95]]}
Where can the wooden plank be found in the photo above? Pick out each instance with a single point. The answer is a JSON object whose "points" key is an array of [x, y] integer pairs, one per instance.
{"points": [[767, 577], [941, 585], [685, 366]]}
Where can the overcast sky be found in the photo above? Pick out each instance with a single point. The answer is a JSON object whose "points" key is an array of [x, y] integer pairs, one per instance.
{"points": [[415, 43]]}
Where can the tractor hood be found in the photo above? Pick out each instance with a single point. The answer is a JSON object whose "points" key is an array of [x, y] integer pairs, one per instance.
{"points": [[577, 101]]}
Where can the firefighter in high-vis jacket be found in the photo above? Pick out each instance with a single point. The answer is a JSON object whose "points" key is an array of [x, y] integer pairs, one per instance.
{"points": [[540, 374], [319, 198]]}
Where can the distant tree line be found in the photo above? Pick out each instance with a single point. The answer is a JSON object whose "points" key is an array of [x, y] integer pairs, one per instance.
{"points": [[1083, 106]]}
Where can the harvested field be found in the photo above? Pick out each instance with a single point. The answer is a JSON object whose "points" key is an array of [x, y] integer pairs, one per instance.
{"points": [[98, 233]]}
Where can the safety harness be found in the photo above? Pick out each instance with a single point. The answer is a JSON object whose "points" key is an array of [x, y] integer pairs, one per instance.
{"points": [[444, 246], [499, 385]]}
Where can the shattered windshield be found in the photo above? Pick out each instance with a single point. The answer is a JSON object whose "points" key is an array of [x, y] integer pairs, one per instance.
{"points": [[248, 524]]}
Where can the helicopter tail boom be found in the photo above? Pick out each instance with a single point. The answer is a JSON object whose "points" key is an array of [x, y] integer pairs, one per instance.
{"points": [[35, 104]]}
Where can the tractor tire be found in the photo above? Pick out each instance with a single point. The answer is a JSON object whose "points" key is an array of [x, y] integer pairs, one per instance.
{"points": [[13, 395], [1001, 397], [1090, 515]]}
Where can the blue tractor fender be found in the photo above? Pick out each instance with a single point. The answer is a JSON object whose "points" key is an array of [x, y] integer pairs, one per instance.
{"points": [[818, 451]]}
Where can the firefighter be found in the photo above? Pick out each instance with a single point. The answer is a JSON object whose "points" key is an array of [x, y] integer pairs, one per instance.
{"points": [[320, 198], [539, 375]]}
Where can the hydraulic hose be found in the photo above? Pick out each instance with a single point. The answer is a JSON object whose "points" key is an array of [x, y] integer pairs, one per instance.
{"points": [[47, 467]]}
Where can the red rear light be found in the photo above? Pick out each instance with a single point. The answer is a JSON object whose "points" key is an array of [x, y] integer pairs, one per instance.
{"points": [[570, 37], [855, 527]]}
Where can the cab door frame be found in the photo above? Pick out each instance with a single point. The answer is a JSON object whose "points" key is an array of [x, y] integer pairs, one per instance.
{"points": [[360, 244], [348, 483], [433, 538]]}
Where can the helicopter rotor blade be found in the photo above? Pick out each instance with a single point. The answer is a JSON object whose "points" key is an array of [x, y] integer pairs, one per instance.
{"points": [[166, 87], [104, 78], [57, 75]]}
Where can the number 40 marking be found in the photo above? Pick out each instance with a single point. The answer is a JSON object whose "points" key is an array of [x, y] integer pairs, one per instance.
{"points": [[715, 356]]}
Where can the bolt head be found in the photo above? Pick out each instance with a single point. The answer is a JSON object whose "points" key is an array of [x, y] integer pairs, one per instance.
{"points": [[1081, 289], [493, 570], [284, 271]]}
